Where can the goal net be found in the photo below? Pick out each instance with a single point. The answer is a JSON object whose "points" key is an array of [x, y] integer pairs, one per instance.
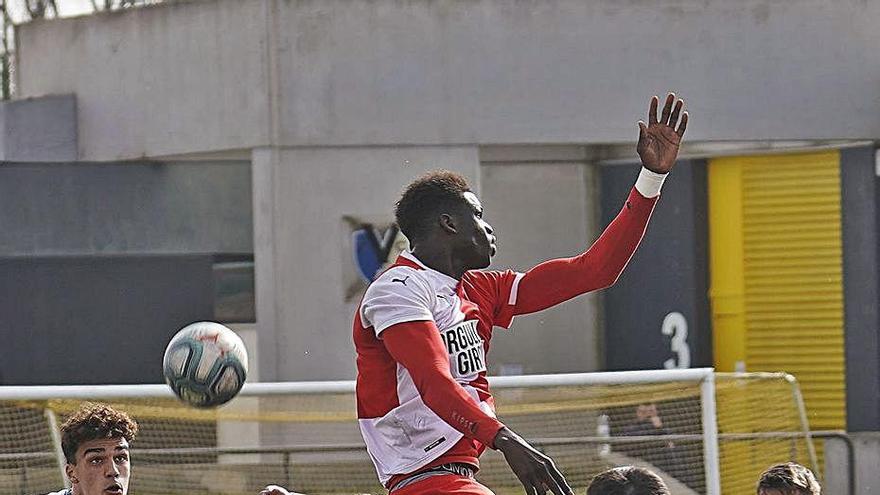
{"points": [[704, 433]]}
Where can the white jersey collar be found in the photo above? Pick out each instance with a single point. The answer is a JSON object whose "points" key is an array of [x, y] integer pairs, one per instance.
{"points": [[441, 278]]}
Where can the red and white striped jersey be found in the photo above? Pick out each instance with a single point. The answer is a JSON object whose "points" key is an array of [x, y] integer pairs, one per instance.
{"points": [[402, 434]]}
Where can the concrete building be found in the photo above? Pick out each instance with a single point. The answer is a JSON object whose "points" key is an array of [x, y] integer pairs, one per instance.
{"points": [[333, 106], [323, 96]]}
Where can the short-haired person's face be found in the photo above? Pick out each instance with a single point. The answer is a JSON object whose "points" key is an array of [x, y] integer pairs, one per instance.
{"points": [[479, 239], [646, 411], [102, 467]]}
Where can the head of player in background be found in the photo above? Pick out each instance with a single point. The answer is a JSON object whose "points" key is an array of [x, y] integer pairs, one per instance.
{"points": [[443, 220], [95, 441], [627, 480], [788, 479]]}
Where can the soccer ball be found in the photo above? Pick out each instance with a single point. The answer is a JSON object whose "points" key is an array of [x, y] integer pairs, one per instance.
{"points": [[205, 364]]}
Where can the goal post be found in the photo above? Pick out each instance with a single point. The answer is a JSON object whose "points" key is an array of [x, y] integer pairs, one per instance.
{"points": [[703, 432], [710, 434]]}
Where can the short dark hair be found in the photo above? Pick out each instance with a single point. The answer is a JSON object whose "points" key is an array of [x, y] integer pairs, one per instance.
{"points": [[91, 422], [789, 478], [627, 480], [425, 198]]}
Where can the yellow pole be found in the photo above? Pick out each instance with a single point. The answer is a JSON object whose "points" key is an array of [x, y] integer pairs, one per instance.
{"points": [[727, 286]]}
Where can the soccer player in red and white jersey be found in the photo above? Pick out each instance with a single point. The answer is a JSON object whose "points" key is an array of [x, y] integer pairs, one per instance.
{"points": [[423, 328]]}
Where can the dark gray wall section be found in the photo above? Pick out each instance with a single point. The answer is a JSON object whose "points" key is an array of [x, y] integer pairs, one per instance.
{"points": [[96, 320], [669, 272], [859, 216], [38, 129], [113, 208]]}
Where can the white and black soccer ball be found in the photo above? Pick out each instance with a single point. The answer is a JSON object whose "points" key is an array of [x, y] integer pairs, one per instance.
{"points": [[205, 364]]}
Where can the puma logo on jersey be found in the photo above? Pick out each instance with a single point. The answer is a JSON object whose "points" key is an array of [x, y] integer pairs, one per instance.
{"points": [[401, 280]]}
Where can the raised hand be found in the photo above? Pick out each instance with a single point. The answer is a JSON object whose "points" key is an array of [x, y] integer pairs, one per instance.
{"points": [[659, 140], [535, 471]]}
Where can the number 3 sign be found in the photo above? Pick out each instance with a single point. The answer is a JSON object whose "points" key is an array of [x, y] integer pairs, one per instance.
{"points": [[675, 325]]}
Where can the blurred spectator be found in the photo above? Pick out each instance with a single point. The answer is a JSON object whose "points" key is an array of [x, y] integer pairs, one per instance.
{"points": [[661, 453], [648, 422]]}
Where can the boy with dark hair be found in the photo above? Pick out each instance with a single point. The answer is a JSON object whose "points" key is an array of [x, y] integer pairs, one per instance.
{"points": [[95, 440], [788, 479], [627, 480]]}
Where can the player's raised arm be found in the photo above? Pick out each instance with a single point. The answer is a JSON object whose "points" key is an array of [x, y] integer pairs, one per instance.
{"points": [[559, 280]]}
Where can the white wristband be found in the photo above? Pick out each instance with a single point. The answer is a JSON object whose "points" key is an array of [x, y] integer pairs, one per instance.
{"points": [[649, 183]]}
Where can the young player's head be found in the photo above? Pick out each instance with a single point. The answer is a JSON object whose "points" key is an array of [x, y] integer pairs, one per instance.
{"points": [[627, 480], [788, 479], [95, 443], [439, 207]]}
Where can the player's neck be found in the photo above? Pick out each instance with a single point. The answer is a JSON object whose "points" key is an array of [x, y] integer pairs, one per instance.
{"points": [[440, 260]]}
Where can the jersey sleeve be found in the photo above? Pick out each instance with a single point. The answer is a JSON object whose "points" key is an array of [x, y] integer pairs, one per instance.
{"points": [[559, 280], [498, 290], [417, 347], [395, 297]]}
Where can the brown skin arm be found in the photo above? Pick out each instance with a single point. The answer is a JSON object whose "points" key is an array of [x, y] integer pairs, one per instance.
{"points": [[659, 140], [658, 146]]}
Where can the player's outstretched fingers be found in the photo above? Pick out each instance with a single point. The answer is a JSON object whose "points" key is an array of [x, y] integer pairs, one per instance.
{"points": [[530, 484], [551, 486], [683, 125], [667, 107], [556, 480], [673, 119], [536, 487], [652, 110]]}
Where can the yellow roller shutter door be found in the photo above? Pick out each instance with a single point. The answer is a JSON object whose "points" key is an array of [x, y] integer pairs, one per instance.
{"points": [[778, 297]]}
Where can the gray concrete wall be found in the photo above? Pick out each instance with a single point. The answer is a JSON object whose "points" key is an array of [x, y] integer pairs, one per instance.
{"points": [[568, 71], [867, 458], [302, 244], [210, 75], [860, 222], [541, 203], [538, 199], [38, 129], [178, 78], [94, 320], [83, 209]]}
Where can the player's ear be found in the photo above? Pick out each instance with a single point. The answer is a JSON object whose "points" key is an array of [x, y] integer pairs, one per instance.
{"points": [[447, 223], [69, 470]]}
